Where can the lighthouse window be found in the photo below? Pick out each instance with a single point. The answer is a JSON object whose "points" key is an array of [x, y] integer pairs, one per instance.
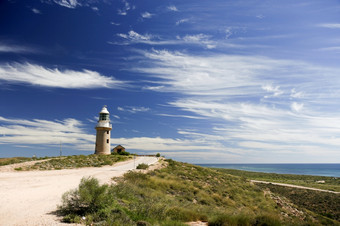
{"points": [[107, 140], [104, 117], [107, 132]]}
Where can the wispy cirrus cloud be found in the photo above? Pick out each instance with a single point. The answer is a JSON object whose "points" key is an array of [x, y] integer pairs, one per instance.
{"points": [[133, 109], [53, 77], [68, 3], [37, 131], [71, 133], [330, 25], [199, 39], [132, 37], [14, 48], [232, 91]]}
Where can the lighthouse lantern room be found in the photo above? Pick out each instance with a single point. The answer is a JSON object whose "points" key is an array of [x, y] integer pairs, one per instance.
{"points": [[103, 128]]}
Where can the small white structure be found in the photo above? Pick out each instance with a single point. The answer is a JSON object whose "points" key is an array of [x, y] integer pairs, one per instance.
{"points": [[103, 128]]}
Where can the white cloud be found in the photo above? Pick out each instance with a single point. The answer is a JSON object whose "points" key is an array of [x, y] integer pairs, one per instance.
{"points": [[227, 90], [68, 3], [163, 144], [146, 15], [332, 48], [38, 131], [185, 20], [181, 116], [41, 76], [70, 132], [134, 37], [173, 8], [116, 24], [36, 11], [330, 25], [159, 88], [123, 11], [10, 48], [297, 107], [295, 94], [133, 109], [200, 39], [228, 33], [271, 89]]}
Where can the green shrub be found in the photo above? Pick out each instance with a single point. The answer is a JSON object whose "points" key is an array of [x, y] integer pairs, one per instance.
{"points": [[142, 166], [90, 197], [158, 155]]}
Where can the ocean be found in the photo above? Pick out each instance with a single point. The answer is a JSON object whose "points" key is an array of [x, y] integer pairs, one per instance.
{"points": [[329, 170]]}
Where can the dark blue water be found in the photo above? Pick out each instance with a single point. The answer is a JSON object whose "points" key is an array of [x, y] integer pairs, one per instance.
{"points": [[330, 170]]}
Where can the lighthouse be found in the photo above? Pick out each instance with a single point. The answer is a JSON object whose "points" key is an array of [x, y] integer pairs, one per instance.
{"points": [[103, 128]]}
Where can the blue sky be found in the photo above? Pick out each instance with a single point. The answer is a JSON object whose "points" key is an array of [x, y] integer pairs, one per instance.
{"points": [[197, 81]]}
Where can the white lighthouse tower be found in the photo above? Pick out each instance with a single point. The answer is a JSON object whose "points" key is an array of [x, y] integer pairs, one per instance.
{"points": [[103, 128]]}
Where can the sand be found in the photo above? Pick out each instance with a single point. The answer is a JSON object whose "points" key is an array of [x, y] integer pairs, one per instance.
{"points": [[31, 197]]}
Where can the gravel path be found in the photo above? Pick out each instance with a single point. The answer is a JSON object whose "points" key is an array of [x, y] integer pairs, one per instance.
{"points": [[31, 197], [294, 186]]}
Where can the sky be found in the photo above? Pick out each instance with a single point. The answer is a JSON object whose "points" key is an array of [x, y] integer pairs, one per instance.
{"points": [[217, 81]]}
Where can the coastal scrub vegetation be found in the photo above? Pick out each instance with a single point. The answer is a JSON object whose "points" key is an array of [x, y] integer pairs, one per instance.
{"points": [[174, 195], [13, 160], [77, 161], [142, 166], [328, 183], [323, 203]]}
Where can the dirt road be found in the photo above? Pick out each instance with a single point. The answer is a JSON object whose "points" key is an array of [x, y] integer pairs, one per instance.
{"points": [[31, 197]]}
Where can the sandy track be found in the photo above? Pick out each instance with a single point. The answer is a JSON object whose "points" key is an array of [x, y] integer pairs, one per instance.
{"points": [[294, 186], [31, 197]]}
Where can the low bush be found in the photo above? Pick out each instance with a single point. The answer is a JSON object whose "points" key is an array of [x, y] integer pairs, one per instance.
{"points": [[142, 166], [89, 199]]}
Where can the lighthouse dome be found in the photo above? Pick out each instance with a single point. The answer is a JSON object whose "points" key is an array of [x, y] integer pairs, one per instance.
{"points": [[104, 110]]}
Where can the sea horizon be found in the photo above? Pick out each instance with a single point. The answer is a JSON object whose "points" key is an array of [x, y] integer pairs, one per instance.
{"points": [[314, 169]]}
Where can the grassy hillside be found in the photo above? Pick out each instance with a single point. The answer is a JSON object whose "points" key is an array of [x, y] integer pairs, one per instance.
{"points": [[13, 160], [78, 161], [323, 203], [180, 193], [331, 183], [66, 162]]}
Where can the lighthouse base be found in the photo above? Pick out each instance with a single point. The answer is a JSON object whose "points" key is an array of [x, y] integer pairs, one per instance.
{"points": [[103, 144]]}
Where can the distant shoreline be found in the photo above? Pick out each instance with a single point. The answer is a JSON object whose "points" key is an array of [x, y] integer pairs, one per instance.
{"points": [[310, 169]]}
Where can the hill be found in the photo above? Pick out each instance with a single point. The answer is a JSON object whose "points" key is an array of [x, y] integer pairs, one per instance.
{"points": [[182, 193]]}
